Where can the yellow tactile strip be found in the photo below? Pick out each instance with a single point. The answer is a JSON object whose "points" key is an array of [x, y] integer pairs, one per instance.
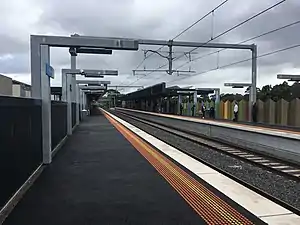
{"points": [[209, 206]]}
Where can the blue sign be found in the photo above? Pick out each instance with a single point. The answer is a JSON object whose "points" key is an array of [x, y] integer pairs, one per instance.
{"points": [[49, 71]]}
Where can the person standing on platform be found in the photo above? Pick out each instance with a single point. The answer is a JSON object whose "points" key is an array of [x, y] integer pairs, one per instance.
{"points": [[203, 110], [254, 112], [212, 112], [236, 111], [193, 109], [181, 109]]}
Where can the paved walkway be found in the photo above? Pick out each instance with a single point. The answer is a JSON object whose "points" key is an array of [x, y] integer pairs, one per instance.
{"points": [[99, 178]]}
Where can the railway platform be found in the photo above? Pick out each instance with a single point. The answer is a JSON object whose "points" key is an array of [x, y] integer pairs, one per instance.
{"points": [[110, 172], [279, 143], [293, 132]]}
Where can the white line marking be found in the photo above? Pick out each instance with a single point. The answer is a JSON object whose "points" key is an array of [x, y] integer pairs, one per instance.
{"points": [[270, 164], [290, 171], [280, 167], [247, 155], [242, 153], [255, 158], [234, 151], [262, 161]]}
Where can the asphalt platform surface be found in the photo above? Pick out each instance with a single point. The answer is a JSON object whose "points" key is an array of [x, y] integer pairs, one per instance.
{"points": [[99, 178]]}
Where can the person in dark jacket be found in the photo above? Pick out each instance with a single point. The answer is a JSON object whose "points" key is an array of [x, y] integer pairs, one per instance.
{"points": [[212, 112], [193, 109], [181, 109]]}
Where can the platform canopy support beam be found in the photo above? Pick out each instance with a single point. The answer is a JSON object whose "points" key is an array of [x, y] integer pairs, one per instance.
{"points": [[38, 57]]}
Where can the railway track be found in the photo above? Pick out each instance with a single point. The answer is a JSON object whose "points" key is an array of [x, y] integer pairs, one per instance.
{"points": [[266, 162]]}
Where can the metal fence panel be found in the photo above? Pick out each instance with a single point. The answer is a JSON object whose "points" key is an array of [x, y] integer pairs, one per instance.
{"points": [[58, 122], [73, 114], [21, 143]]}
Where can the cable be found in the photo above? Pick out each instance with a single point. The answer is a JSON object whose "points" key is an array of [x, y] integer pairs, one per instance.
{"points": [[203, 17], [232, 28], [249, 39], [241, 61], [182, 32], [145, 75], [148, 57], [238, 25], [141, 63]]}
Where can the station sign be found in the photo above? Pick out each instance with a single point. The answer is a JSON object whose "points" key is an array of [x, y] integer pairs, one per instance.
{"points": [[49, 71]]}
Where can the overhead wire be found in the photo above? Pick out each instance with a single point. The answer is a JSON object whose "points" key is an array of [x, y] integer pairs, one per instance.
{"points": [[237, 26], [238, 62], [178, 35], [226, 32], [199, 20], [242, 42]]}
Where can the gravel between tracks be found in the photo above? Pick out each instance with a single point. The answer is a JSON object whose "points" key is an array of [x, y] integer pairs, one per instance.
{"points": [[278, 186]]}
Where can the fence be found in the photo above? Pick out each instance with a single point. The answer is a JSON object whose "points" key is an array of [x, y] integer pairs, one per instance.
{"points": [[73, 106], [281, 113], [21, 142], [58, 122], [21, 139]]}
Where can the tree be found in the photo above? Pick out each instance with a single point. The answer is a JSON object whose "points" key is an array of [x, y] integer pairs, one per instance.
{"points": [[231, 97], [280, 91], [265, 93], [113, 91], [295, 89]]}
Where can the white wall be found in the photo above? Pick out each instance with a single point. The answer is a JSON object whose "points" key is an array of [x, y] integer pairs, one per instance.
{"points": [[5, 85], [27, 94], [16, 90]]}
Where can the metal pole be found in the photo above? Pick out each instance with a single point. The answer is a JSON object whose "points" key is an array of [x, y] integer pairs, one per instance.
{"points": [[46, 104], [195, 102], [170, 58], [64, 86], [115, 97], [252, 94], [77, 104], [74, 88], [69, 102], [250, 105], [217, 102], [35, 58], [179, 103]]}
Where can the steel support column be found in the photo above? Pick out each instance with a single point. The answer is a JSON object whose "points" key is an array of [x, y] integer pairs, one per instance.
{"points": [[252, 94], [217, 103], [195, 100], [179, 103], [75, 95], [44, 90], [64, 86]]}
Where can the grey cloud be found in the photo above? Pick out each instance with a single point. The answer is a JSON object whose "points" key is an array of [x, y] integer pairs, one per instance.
{"points": [[19, 63], [128, 18], [12, 45]]}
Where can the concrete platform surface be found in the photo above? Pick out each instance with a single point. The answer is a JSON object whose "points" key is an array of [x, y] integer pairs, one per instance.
{"points": [[99, 178]]}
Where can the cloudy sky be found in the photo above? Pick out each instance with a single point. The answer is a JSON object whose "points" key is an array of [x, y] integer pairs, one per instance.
{"points": [[155, 19]]}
